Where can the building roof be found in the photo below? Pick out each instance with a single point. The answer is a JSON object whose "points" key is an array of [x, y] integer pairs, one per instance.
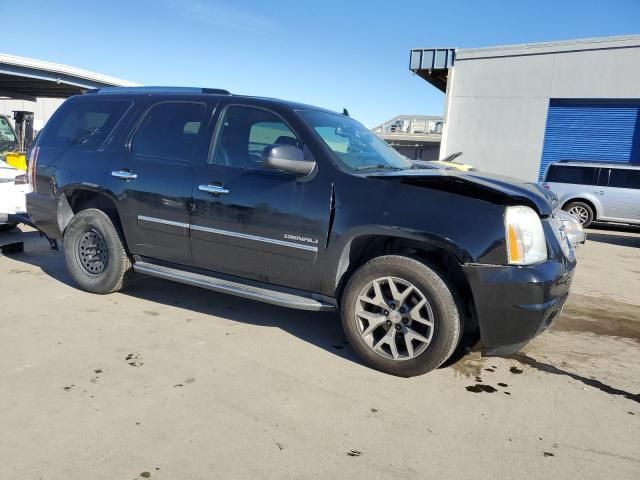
{"points": [[433, 64], [27, 79]]}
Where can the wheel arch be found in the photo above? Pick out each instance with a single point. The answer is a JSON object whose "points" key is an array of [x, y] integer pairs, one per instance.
{"points": [[589, 201], [76, 198], [436, 252]]}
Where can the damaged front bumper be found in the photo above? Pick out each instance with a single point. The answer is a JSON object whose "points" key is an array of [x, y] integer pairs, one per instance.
{"points": [[515, 303]]}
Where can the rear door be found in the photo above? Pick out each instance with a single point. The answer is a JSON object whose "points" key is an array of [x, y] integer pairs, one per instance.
{"points": [[152, 178], [254, 222], [621, 198]]}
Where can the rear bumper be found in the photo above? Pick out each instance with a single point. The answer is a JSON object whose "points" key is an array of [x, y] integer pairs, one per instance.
{"points": [[514, 304], [43, 211]]}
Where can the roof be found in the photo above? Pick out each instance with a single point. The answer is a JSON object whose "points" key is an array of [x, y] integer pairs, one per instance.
{"points": [[27, 79], [433, 64], [542, 48], [195, 92]]}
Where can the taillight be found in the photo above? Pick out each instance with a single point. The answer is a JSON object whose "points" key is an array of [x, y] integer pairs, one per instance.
{"points": [[32, 166]]}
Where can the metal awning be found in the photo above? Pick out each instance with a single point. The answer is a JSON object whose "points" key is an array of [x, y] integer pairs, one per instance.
{"points": [[432, 64], [28, 79]]}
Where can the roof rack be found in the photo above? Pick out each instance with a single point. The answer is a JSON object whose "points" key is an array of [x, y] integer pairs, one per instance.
{"points": [[192, 90]]}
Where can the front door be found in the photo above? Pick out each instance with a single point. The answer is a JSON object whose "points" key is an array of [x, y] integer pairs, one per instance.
{"points": [[152, 179], [254, 222]]}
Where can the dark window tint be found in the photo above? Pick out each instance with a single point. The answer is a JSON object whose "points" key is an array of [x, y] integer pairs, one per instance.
{"points": [[170, 130], [83, 124], [567, 174], [622, 178], [245, 132]]}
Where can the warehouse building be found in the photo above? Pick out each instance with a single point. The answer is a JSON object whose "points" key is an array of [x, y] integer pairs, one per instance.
{"points": [[40, 87], [515, 109], [415, 136]]}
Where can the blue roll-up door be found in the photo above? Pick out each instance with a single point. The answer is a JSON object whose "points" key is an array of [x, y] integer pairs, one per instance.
{"points": [[591, 132]]}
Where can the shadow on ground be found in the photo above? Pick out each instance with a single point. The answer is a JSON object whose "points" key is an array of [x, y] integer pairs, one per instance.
{"points": [[322, 329]]}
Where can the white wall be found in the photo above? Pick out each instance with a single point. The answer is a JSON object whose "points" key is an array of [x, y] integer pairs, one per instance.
{"points": [[42, 109], [498, 98]]}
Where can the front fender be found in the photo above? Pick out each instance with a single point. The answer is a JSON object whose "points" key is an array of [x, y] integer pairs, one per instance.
{"points": [[344, 249]]}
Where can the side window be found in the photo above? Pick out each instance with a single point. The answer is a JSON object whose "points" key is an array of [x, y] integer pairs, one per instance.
{"points": [[84, 124], [243, 135], [170, 130], [567, 174], [623, 178]]}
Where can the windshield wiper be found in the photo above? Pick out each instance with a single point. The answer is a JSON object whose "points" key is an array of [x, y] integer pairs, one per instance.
{"points": [[379, 166], [451, 158]]}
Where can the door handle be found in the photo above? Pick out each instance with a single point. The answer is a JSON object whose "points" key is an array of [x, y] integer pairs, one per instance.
{"points": [[124, 175], [213, 189]]}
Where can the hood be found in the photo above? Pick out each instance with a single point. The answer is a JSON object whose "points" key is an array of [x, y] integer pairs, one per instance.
{"points": [[516, 191]]}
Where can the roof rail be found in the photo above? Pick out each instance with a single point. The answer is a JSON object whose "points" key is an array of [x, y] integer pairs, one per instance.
{"points": [[192, 90]]}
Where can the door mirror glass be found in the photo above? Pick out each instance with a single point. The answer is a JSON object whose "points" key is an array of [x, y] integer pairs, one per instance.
{"points": [[286, 158]]}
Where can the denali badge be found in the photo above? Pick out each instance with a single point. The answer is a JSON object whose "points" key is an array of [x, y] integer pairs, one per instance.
{"points": [[300, 239]]}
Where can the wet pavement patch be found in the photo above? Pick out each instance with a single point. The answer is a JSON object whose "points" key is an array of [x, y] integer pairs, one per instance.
{"points": [[354, 453], [502, 384], [68, 388], [145, 474], [548, 368], [515, 370], [479, 388], [548, 454], [599, 316]]}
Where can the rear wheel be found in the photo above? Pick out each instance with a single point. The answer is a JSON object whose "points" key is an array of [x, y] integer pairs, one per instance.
{"points": [[582, 211], [400, 316], [95, 253]]}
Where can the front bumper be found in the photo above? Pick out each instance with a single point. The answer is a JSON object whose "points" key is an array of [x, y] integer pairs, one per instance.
{"points": [[515, 303], [12, 200]]}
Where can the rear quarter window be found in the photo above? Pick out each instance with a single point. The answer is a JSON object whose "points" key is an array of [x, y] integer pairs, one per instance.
{"points": [[83, 124], [568, 174], [623, 178]]}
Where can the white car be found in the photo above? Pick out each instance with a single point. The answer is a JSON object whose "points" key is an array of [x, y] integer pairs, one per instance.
{"points": [[13, 194]]}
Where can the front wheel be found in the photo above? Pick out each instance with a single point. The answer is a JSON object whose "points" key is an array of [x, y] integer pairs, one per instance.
{"points": [[582, 211], [400, 316], [95, 253]]}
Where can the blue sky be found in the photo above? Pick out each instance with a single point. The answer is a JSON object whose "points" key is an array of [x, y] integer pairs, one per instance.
{"points": [[330, 53]]}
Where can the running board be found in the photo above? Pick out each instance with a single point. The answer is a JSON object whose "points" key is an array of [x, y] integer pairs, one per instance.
{"points": [[274, 297]]}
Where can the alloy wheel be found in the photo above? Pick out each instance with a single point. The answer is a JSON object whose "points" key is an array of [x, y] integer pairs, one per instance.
{"points": [[394, 318]]}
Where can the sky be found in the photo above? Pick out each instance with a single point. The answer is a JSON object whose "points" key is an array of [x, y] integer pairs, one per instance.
{"points": [[329, 53]]}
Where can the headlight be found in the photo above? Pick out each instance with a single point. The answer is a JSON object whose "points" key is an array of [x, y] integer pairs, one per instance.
{"points": [[526, 243], [575, 233]]}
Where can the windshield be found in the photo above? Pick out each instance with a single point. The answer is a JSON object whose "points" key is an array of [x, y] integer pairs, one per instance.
{"points": [[356, 148], [7, 137]]}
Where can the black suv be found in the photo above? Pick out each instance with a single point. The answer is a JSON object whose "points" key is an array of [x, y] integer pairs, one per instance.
{"points": [[300, 207]]}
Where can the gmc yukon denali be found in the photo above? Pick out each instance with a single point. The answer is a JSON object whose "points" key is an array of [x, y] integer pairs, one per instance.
{"points": [[300, 207]]}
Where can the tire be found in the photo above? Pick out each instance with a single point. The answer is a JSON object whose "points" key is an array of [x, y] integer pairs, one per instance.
{"points": [[7, 227], [582, 211], [440, 306], [95, 254]]}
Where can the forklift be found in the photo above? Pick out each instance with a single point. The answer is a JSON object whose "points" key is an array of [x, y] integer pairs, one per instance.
{"points": [[14, 143]]}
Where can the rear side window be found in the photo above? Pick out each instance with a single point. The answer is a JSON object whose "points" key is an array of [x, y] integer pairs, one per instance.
{"points": [[170, 130], [567, 174], [83, 124], [622, 178]]}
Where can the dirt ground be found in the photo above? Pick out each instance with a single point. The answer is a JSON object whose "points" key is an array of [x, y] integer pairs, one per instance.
{"points": [[172, 382]]}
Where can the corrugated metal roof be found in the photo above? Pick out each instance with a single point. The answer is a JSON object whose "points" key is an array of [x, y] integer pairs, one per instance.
{"points": [[28, 78]]}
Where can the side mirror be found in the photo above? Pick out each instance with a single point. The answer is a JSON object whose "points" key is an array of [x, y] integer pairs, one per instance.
{"points": [[287, 158]]}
